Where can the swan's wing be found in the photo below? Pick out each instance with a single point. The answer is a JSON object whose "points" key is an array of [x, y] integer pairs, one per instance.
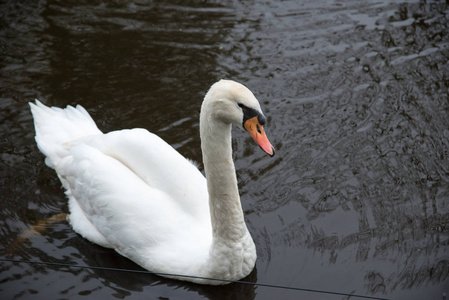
{"points": [[137, 192], [159, 165]]}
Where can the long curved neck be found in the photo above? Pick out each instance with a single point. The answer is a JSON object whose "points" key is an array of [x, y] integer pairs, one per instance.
{"points": [[228, 224], [232, 254]]}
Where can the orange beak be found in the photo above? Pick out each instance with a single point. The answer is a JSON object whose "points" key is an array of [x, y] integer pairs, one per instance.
{"points": [[256, 131]]}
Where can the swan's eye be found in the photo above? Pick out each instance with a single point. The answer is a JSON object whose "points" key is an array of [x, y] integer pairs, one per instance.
{"points": [[244, 108]]}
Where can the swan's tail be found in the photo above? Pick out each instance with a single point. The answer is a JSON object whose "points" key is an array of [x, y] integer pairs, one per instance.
{"points": [[55, 127]]}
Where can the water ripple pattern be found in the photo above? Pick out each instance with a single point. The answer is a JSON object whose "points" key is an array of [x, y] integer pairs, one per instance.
{"points": [[356, 199]]}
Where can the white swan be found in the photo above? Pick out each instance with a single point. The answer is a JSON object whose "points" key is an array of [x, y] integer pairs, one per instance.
{"points": [[131, 191]]}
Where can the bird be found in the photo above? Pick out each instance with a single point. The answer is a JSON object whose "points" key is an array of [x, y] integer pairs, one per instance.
{"points": [[130, 191]]}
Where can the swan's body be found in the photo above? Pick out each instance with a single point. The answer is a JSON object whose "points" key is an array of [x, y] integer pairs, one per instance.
{"points": [[131, 191]]}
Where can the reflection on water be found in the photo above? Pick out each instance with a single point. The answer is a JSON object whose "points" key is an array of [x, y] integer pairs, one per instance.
{"points": [[356, 199]]}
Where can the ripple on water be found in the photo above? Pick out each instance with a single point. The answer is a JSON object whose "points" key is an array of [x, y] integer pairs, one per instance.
{"points": [[356, 95]]}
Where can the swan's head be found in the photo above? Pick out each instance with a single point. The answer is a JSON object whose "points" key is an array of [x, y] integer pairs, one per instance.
{"points": [[232, 103]]}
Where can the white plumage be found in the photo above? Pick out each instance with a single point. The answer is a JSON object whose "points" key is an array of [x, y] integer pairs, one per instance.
{"points": [[131, 191]]}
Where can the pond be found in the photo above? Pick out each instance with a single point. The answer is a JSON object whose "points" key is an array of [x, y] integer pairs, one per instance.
{"points": [[356, 199]]}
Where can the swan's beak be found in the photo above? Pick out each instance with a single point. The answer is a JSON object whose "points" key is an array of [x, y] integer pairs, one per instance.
{"points": [[258, 134]]}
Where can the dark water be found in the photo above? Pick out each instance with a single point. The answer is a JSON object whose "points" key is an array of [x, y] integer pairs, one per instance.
{"points": [[356, 199]]}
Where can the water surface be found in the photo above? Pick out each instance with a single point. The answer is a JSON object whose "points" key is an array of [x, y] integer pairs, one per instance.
{"points": [[356, 199]]}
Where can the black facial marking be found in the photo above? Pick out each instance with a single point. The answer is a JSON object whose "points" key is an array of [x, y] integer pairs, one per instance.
{"points": [[249, 113]]}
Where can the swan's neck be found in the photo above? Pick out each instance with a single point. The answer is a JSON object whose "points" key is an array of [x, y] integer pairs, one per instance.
{"points": [[231, 238], [224, 200]]}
